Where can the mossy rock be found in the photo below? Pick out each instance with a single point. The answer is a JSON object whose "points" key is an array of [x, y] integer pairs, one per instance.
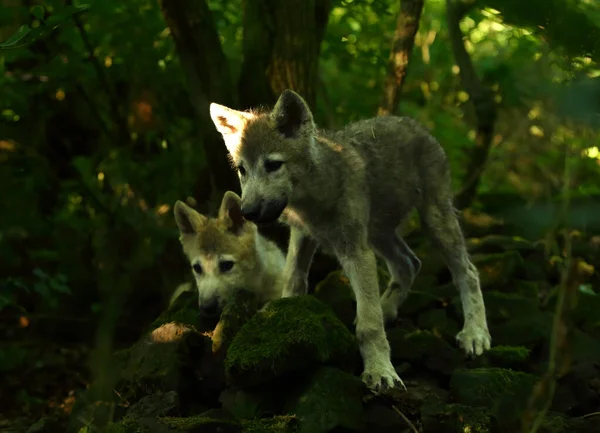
{"points": [[529, 330], [290, 334], [204, 424], [161, 361], [184, 310], [423, 348], [440, 417], [555, 422], [504, 392], [497, 269], [513, 357], [585, 315], [437, 321], [331, 400], [336, 292], [494, 243], [502, 307], [524, 288], [257, 402], [236, 312]]}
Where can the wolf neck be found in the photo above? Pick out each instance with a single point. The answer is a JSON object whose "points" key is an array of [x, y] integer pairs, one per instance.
{"points": [[321, 179]]}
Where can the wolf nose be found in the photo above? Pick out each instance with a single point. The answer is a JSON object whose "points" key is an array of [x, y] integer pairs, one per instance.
{"points": [[251, 212], [210, 308]]}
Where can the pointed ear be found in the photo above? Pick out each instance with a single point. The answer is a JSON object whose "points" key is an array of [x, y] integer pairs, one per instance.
{"points": [[188, 220], [291, 113], [231, 211], [230, 123]]}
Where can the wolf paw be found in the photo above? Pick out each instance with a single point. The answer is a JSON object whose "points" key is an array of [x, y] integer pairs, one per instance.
{"points": [[382, 377], [474, 340]]}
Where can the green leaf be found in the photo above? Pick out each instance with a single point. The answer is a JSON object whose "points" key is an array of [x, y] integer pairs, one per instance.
{"points": [[25, 35], [38, 12], [23, 31]]}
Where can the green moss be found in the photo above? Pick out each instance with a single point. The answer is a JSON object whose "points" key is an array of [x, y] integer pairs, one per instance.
{"points": [[455, 418], [555, 422], [504, 306], [184, 310], [290, 334], [126, 425], [423, 347], [192, 422], [504, 392], [513, 354], [277, 424], [332, 399], [497, 269]]}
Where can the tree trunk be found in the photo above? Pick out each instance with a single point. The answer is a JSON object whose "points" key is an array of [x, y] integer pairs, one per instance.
{"points": [[481, 97], [407, 25], [282, 42], [208, 80]]}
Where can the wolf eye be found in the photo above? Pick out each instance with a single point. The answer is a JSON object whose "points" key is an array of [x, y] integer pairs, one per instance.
{"points": [[225, 265], [272, 165], [242, 170], [197, 268]]}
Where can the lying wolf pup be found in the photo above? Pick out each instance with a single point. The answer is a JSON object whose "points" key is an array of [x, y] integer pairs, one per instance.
{"points": [[228, 253], [349, 191]]}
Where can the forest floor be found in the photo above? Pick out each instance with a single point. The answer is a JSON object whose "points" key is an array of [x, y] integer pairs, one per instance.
{"points": [[295, 367]]}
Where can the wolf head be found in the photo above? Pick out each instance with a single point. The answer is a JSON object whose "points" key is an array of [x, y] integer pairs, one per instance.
{"points": [[269, 151], [222, 251]]}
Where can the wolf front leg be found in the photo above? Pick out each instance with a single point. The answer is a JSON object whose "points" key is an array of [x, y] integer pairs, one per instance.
{"points": [[361, 269], [301, 250]]}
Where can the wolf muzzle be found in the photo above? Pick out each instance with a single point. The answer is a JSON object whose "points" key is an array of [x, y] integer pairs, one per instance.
{"points": [[263, 211]]}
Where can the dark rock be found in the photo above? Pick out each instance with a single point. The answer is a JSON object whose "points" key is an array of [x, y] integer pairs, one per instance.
{"points": [[440, 417], [502, 307], [497, 269], [493, 243], [423, 348], [158, 404], [163, 360], [437, 321], [336, 292]]}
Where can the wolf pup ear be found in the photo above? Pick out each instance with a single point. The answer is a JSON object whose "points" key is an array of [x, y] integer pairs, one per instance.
{"points": [[188, 220], [229, 123], [291, 113], [231, 211]]}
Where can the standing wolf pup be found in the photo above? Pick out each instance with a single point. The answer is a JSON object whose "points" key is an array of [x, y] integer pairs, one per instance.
{"points": [[349, 191], [228, 253]]}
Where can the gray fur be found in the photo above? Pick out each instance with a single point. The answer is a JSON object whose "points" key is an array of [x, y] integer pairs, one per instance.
{"points": [[349, 191]]}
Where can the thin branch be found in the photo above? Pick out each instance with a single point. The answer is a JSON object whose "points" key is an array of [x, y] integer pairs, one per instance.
{"points": [[407, 25], [112, 98], [406, 420], [481, 97]]}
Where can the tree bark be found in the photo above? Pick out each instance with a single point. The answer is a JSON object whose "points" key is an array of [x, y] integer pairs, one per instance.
{"points": [[481, 97], [208, 80], [282, 42], [407, 25]]}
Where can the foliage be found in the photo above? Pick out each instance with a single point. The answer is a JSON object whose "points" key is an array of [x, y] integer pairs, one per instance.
{"points": [[99, 137]]}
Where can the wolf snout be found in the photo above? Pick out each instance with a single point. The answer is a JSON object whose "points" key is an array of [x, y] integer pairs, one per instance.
{"points": [[251, 211], [264, 211], [210, 308]]}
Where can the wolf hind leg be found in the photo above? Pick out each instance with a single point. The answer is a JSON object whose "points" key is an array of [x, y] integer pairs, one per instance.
{"points": [[403, 266], [443, 227]]}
